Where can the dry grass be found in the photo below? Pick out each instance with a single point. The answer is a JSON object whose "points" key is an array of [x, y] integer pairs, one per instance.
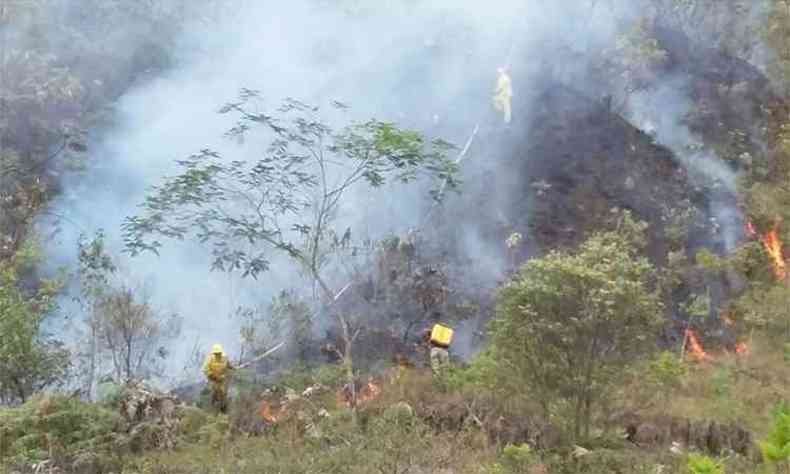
{"points": [[728, 388], [375, 444]]}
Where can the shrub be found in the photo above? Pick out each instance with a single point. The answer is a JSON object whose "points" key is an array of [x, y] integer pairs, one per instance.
{"points": [[666, 373], [594, 307], [56, 426], [518, 458], [776, 447], [329, 375], [699, 464]]}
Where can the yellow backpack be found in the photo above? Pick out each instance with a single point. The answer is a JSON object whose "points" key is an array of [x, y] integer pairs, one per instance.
{"points": [[441, 335]]}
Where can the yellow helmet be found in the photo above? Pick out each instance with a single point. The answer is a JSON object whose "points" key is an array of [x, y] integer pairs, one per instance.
{"points": [[217, 349]]}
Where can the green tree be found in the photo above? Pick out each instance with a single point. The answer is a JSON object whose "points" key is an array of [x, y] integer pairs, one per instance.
{"points": [[286, 201], [776, 447], [764, 308], [119, 328], [777, 36], [94, 271], [30, 361], [666, 373], [569, 323]]}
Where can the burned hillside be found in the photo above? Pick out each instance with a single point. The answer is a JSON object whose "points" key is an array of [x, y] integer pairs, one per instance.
{"points": [[572, 155], [589, 160], [405, 236]]}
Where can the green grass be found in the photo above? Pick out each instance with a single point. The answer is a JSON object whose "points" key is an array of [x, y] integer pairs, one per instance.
{"points": [[91, 438]]}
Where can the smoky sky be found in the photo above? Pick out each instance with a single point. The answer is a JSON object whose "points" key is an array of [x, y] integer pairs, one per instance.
{"points": [[428, 65]]}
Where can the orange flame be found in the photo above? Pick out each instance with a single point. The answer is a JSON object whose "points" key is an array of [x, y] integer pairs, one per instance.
{"points": [[268, 414], [773, 246], [742, 348], [369, 392], [695, 347]]}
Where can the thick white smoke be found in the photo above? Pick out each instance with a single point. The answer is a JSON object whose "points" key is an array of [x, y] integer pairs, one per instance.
{"points": [[377, 60], [425, 64]]}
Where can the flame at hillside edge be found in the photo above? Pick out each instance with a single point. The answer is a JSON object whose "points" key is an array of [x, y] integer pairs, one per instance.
{"points": [[268, 413], [742, 348], [694, 347], [773, 246], [367, 393]]}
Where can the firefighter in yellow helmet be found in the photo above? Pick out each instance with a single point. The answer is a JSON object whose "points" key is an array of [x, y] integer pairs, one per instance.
{"points": [[217, 368], [504, 93]]}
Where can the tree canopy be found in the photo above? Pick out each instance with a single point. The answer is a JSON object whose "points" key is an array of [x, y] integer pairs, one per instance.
{"points": [[285, 200], [569, 322]]}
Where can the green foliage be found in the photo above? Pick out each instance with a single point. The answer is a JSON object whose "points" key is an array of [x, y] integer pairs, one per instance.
{"points": [[699, 464], [329, 375], [722, 382], [764, 308], [638, 53], [777, 35], [767, 200], [639, 48], [110, 393], [192, 422], [709, 261], [291, 181], [518, 458], [666, 373], [381, 443], [216, 432], [606, 461], [751, 260], [678, 222], [55, 425], [697, 306], [297, 378], [569, 323], [29, 360], [776, 447], [482, 373], [95, 266]]}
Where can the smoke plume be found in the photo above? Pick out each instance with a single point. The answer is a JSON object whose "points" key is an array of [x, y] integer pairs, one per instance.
{"points": [[428, 65]]}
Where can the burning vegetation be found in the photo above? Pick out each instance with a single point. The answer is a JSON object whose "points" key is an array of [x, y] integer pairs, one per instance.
{"points": [[694, 347], [696, 352], [365, 393], [773, 247], [566, 274]]}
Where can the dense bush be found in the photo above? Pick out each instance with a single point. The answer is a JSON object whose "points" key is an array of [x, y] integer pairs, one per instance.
{"points": [[63, 429]]}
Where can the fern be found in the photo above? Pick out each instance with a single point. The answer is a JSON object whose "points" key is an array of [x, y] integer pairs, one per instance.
{"points": [[699, 464]]}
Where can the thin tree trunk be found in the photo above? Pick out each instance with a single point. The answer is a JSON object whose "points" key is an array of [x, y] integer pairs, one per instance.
{"points": [[348, 340], [128, 360], [348, 363], [587, 413], [577, 417], [93, 355], [586, 393]]}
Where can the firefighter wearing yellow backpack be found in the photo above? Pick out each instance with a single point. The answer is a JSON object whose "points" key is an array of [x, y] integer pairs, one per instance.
{"points": [[217, 369], [441, 337]]}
